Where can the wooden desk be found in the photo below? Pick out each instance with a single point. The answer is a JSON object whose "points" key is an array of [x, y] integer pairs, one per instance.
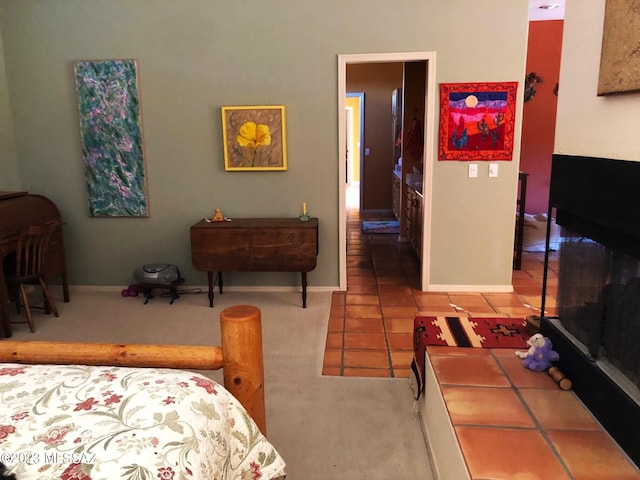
{"points": [[18, 210], [255, 245]]}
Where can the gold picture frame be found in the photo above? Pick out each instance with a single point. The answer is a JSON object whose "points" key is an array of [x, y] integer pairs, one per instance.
{"points": [[254, 138]]}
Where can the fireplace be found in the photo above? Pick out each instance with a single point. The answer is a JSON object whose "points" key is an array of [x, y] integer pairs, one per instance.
{"points": [[596, 329]]}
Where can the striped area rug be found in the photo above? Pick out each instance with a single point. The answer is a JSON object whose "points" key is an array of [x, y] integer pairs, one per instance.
{"points": [[462, 331]]}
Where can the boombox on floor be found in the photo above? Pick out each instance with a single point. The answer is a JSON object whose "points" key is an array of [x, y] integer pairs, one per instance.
{"points": [[157, 273]]}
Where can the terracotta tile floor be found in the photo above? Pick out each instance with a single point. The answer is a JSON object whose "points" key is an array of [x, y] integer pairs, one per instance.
{"points": [[371, 324], [370, 334], [511, 422]]}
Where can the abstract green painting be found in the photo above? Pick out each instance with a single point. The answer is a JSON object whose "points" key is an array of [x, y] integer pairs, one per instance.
{"points": [[111, 137]]}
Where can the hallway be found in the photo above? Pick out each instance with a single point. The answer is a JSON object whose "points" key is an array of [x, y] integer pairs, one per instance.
{"points": [[370, 331]]}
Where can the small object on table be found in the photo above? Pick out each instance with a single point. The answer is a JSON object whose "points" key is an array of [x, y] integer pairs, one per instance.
{"points": [[563, 382], [217, 216], [305, 216]]}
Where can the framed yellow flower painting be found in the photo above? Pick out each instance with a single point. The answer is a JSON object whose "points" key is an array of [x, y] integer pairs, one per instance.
{"points": [[254, 138]]}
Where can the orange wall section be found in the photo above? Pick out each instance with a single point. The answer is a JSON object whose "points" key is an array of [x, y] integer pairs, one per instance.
{"points": [[539, 113]]}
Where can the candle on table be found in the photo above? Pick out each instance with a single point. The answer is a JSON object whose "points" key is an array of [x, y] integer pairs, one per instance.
{"points": [[304, 208]]}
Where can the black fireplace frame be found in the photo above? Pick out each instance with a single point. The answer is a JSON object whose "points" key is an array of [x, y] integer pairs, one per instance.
{"points": [[600, 199]]}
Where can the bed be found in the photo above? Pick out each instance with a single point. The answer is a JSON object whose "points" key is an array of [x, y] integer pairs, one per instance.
{"points": [[105, 411]]}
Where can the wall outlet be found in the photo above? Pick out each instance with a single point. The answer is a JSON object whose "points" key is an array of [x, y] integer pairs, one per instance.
{"points": [[493, 170], [473, 170]]}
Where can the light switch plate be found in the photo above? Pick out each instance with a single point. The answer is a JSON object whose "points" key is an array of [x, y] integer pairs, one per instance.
{"points": [[473, 170], [493, 170]]}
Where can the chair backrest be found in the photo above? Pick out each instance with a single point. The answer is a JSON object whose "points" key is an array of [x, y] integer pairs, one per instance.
{"points": [[31, 250]]}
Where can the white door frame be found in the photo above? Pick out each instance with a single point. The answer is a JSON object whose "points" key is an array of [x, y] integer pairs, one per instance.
{"points": [[429, 149]]}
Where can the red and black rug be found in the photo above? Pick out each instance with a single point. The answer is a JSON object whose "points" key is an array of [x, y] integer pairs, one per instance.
{"points": [[479, 332], [462, 331]]}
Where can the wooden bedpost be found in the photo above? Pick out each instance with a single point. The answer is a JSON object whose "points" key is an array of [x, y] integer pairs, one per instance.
{"points": [[241, 331]]}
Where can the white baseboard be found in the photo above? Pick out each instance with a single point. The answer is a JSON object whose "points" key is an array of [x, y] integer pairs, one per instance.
{"points": [[234, 288], [298, 288]]}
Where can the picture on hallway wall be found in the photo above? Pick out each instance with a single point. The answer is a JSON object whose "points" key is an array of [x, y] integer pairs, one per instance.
{"points": [[111, 136], [477, 121], [620, 55], [254, 138]]}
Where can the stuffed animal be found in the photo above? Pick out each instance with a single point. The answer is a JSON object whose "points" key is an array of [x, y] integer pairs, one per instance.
{"points": [[534, 342], [540, 355]]}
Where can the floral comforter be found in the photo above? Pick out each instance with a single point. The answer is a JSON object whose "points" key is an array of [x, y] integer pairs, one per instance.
{"points": [[82, 422]]}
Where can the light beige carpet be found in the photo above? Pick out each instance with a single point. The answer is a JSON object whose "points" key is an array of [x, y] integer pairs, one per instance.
{"points": [[324, 427]]}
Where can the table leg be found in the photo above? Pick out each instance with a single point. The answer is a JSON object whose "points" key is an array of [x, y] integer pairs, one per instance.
{"points": [[304, 289], [210, 279]]}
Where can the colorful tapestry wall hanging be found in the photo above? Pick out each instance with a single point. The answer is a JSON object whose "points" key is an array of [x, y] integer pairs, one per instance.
{"points": [[111, 135], [477, 121]]}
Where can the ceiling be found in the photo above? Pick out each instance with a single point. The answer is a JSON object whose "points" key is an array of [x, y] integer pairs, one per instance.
{"points": [[536, 13]]}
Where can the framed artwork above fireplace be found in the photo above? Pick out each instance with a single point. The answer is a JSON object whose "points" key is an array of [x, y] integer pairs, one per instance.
{"points": [[620, 55]]}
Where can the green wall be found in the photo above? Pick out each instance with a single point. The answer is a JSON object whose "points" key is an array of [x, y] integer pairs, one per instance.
{"points": [[8, 160], [199, 55]]}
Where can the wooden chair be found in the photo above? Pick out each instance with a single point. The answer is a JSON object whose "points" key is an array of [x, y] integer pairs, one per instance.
{"points": [[31, 252]]}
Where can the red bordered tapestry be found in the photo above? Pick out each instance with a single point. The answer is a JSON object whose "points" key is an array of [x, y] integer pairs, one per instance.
{"points": [[477, 121]]}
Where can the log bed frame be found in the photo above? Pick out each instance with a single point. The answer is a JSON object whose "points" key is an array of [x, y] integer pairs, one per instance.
{"points": [[240, 356]]}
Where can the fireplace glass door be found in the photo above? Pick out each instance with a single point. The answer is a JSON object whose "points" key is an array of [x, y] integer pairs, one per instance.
{"points": [[598, 301]]}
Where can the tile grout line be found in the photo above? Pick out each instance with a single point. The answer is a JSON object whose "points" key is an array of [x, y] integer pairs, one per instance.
{"points": [[536, 422]]}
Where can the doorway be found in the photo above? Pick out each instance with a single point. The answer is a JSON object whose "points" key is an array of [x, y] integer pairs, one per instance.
{"points": [[354, 112], [429, 123], [354, 122]]}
